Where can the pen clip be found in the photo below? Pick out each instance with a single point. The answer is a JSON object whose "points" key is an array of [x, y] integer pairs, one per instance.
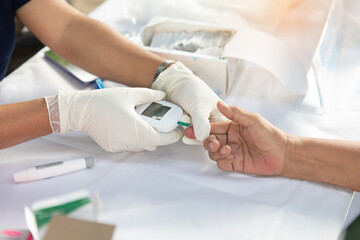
{"points": [[99, 83]]}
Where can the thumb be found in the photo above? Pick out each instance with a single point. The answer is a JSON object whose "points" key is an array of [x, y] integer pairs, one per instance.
{"points": [[235, 114], [163, 139], [145, 95], [191, 141]]}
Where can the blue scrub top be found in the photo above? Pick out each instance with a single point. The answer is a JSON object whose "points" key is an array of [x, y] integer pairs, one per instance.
{"points": [[7, 31]]}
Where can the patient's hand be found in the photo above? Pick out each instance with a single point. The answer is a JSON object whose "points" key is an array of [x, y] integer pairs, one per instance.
{"points": [[248, 143]]}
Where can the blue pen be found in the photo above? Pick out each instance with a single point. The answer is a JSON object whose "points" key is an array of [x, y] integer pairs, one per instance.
{"points": [[99, 83]]}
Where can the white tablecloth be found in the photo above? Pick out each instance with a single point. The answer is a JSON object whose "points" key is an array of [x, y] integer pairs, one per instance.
{"points": [[175, 192]]}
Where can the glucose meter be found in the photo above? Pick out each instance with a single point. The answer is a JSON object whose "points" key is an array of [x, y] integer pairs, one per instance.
{"points": [[163, 116]]}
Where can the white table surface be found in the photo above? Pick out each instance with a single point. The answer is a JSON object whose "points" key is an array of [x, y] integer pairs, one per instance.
{"points": [[176, 192]]}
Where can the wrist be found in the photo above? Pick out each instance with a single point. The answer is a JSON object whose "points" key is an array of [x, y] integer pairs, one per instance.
{"points": [[304, 160], [293, 149], [162, 67]]}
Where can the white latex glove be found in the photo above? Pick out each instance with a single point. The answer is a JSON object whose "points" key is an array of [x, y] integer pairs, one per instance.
{"points": [[196, 98], [109, 117]]}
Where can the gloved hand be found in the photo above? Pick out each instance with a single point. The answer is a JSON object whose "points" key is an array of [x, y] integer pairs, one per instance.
{"points": [[109, 117], [185, 89]]}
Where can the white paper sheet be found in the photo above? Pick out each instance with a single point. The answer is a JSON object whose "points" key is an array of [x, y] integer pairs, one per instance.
{"points": [[176, 191]]}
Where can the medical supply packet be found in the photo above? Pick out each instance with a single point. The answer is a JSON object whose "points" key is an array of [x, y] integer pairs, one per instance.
{"points": [[78, 204]]}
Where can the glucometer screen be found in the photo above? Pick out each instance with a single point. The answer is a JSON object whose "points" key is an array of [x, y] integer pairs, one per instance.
{"points": [[155, 111]]}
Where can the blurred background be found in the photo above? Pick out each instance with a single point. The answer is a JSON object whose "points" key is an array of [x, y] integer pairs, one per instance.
{"points": [[27, 44]]}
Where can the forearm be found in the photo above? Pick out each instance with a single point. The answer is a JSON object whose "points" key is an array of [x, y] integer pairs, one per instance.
{"points": [[88, 43], [99, 49], [322, 160], [23, 121]]}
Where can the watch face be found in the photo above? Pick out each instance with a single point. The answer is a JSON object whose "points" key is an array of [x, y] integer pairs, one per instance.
{"points": [[156, 111]]}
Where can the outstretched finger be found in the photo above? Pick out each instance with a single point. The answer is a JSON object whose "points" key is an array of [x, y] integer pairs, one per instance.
{"points": [[236, 114]]}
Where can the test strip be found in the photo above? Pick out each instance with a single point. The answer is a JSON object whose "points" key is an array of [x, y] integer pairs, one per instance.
{"points": [[183, 124]]}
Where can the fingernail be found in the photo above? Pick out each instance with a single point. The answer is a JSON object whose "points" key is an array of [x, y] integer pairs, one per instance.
{"points": [[211, 146], [223, 151], [224, 104]]}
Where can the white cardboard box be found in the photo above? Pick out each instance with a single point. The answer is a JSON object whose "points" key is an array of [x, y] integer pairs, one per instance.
{"points": [[246, 44], [213, 70], [264, 50]]}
